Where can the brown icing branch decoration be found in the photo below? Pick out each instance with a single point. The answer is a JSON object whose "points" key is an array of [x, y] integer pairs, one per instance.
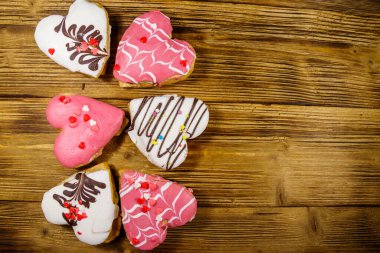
{"points": [[85, 43]]}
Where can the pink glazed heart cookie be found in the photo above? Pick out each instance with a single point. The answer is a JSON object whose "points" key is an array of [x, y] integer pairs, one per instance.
{"points": [[87, 126], [147, 55], [150, 204]]}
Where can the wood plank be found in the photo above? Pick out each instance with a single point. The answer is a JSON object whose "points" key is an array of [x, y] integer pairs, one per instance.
{"points": [[324, 58], [280, 155], [245, 229]]}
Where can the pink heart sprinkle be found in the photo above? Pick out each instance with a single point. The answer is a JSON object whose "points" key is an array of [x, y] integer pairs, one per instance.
{"points": [[179, 112], [94, 128], [152, 202], [77, 111], [130, 181], [94, 51], [152, 187], [159, 210]]}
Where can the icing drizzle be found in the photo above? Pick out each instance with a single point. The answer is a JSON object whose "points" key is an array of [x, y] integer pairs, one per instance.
{"points": [[150, 205], [85, 42], [83, 191], [158, 127], [147, 53]]}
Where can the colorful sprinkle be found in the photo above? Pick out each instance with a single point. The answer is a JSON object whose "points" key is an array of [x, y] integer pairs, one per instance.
{"points": [[94, 128], [72, 120], [184, 137], [154, 142], [94, 51], [66, 204], [93, 42], [145, 185], [86, 117], [77, 111], [84, 45], [116, 67], [152, 187], [155, 114], [143, 39], [140, 201], [92, 122], [67, 215], [137, 185], [152, 202], [80, 202], [187, 115], [64, 99], [135, 241], [145, 209], [160, 137], [82, 145], [85, 108], [183, 63], [79, 233], [179, 112], [51, 51], [182, 127]]}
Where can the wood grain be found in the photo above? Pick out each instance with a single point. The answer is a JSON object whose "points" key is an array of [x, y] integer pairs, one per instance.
{"points": [[289, 161], [316, 229]]}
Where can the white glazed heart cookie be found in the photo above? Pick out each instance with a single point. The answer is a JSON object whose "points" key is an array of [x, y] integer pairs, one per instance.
{"points": [[80, 41], [161, 125], [88, 202]]}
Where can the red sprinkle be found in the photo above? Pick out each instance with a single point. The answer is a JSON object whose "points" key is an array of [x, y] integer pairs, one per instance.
{"points": [[82, 145], [183, 63], [116, 67], [80, 202], [86, 117], [140, 200], [73, 217], [143, 39], [93, 42], [144, 185], [79, 233], [66, 204], [72, 119], [135, 241], [145, 209], [62, 98], [51, 51], [67, 215]]}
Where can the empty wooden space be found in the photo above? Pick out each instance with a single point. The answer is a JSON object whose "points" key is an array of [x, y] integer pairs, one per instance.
{"points": [[290, 161]]}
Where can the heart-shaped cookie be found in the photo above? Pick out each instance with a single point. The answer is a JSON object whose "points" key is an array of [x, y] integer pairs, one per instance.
{"points": [[87, 126], [80, 41], [150, 204], [161, 125], [88, 202], [148, 56]]}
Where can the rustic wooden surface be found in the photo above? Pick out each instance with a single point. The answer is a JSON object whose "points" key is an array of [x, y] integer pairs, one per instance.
{"points": [[290, 161]]}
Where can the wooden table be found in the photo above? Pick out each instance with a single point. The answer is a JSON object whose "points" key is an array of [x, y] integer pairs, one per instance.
{"points": [[290, 160]]}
